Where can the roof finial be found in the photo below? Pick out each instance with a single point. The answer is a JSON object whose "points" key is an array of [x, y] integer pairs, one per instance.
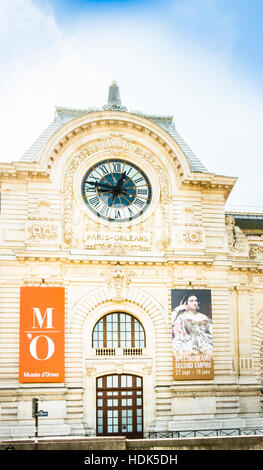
{"points": [[114, 99]]}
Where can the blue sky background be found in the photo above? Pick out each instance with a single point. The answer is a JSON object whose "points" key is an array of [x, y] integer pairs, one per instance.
{"points": [[199, 60]]}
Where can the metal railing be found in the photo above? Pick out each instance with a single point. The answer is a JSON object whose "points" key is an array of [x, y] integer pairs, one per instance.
{"points": [[203, 433]]}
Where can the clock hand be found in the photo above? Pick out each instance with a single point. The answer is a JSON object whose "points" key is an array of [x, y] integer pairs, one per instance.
{"points": [[114, 195], [104, 185], [120, 182]]}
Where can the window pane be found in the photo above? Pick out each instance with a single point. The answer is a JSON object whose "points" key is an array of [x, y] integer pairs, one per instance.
{"points": [[138, 382], [123, 381], [129, 381], [109, 381], [120, 329]]}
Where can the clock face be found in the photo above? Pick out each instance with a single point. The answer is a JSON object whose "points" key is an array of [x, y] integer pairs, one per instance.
{"points": [[116, 190]]}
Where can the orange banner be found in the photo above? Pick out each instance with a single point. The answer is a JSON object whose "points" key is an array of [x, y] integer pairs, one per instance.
{"points": [[41, 355]]}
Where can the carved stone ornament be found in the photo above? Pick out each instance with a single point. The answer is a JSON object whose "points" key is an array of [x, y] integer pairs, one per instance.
{"points": [[192, 236], [118, 280], [236, 239], [42, 231], [110, 144], [256, 251], [189, 229]]}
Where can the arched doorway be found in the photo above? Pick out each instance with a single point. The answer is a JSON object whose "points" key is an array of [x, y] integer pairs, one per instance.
{"points": [[119, 406]]}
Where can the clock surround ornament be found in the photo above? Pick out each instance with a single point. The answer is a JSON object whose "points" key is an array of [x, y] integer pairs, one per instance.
{"points": [[116, 190]]}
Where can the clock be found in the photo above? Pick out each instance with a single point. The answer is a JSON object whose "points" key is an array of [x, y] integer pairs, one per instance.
{"points": [[116, 190]]}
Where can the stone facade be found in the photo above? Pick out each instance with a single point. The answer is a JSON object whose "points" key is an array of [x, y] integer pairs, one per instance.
{"points": [[49, 237]]}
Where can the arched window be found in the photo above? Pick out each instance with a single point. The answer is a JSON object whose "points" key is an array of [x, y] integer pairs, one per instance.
{"points": [[118, 330]]}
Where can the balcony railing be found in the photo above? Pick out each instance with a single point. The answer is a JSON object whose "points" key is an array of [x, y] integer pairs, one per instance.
{"points": [[119, 351]]}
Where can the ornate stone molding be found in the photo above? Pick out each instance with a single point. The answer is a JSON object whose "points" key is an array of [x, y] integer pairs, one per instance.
{"points": [[236, 239], [38, 231], [112, 143], [118, 281], [256, 251]]}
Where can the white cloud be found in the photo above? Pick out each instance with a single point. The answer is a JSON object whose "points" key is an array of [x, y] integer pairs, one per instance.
{"points": [[217, 111]]}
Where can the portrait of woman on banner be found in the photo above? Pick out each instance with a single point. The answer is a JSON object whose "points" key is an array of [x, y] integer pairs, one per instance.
{"points": [[191, 329]]}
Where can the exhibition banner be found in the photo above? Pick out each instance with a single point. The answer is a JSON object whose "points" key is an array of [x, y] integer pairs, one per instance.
{"points": [[192, 336], [41, 354]]}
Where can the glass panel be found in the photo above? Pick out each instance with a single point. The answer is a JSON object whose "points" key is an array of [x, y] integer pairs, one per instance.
{"points": [[138, 382], [115, 381], [112, 381], [99, 383], [139, 401], [100, 413], [100, 429], [139, 412], [109, 381], [129, 429], [123, 380], [129, 381], [123, 402], [139, 427], [99, 402], [109, 402]]}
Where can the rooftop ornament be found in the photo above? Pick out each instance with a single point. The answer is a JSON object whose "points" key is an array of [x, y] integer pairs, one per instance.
{"points": [[114, 99]]}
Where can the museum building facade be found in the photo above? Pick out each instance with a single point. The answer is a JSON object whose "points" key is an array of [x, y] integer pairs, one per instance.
{"points": [[131, 299]]}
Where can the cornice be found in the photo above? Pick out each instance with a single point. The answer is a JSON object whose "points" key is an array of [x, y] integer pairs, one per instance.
{"points": [[150, 260], [22, 171], [210, 181]]}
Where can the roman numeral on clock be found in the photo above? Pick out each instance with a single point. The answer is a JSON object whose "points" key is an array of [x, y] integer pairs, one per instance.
{"points": [[117, 214], [94, 201], [139, 202], [104, 170], [142, 191], [138, 179], [116, 167], [104, 211]]}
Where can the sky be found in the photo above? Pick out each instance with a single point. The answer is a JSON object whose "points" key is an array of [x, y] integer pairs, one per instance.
{"points": [[198, 60]]}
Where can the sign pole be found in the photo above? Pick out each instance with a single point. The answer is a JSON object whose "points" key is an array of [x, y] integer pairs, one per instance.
{"points": [[36, 425]]}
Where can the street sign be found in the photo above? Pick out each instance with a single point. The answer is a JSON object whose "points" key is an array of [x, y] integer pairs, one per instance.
{"points": [[42, 413]]}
